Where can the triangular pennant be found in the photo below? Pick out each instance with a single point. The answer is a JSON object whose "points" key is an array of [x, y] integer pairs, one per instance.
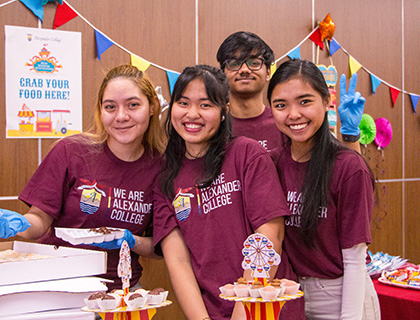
{"points": [[334, 46], [394, 94], [138, 62], [36, 7], [102, 43], [273, 69], [375, 83], [172, 77], [63, 14], [414, 101], [295, 53], [354, 65], [316, 38]]}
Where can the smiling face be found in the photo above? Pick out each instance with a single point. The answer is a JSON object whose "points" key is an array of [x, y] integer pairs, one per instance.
{"points": [[246, 81], [299, 111], [125, 114], [195, 118]]}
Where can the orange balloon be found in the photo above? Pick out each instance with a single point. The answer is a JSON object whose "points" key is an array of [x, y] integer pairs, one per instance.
{"points": [[327, 28]]}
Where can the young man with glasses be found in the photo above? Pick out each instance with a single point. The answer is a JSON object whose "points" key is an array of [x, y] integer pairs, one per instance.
{"points": [[246, 60]]}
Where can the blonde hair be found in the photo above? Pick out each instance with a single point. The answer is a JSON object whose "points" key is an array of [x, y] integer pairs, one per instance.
{"points": [[154, 137]]}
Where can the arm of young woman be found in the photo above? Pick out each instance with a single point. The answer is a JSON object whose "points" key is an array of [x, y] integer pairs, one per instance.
{"points": [[182, 276], [144, 247], [40, 223], [353, 282]]}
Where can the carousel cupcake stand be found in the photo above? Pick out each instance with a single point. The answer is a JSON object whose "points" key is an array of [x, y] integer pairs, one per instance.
{"points": [[124, 312], [259, 256]]}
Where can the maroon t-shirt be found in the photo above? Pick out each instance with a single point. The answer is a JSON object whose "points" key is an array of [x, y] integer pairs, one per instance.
{"points": [[344, 223], [261, 128], [84, 188], [215, 221]]}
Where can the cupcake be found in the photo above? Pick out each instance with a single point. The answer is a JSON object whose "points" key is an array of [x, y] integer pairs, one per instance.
{"points": [[269, 293], [254, 291], [242, 281], [157, 296], [118, 291], [117, 297], [291, 287], [135, 300], [92, 300], [228, 290], [142, 291], [241, 290], [278, 284], [108, 302]]}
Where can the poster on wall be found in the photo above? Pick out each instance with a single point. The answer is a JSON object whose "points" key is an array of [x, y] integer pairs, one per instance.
{"points": [[43, 78]]}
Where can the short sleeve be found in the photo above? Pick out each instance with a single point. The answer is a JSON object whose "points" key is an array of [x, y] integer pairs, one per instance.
{"points": [[263, 194], [355, 205], [49, 185], [163, 215]]}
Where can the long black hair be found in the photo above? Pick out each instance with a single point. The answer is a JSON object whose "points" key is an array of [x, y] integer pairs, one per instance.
{"points": [[324, 152], [217, 89]]}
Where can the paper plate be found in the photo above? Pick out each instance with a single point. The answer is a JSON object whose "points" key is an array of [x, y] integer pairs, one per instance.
{"points": [[87, 236]]}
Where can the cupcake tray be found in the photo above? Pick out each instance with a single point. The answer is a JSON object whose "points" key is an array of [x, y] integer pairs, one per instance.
{"points": [[126, 309], [86, 236], [285, 297]]}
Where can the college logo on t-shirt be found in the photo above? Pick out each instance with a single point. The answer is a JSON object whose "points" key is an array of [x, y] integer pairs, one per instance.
{"points": [[91, 197], [182, 203]]}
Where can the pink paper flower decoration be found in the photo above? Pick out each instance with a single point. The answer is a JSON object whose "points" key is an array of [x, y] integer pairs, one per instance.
{"points": [[383, 132]]}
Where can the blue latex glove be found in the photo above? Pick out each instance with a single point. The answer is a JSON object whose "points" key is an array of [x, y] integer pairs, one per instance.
{"points": [[116, 244], [351, 106], [11, 223]]}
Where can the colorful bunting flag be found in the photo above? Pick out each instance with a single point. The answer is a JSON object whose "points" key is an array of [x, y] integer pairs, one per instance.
{"points": [[295, 53], [375, 83], [354, 65], [102, 43], [172, 77], [394, 95], [139, 63], [63, 14], [36, 7], [273, 69], [414, 101], [316, 38], [334, 46]]}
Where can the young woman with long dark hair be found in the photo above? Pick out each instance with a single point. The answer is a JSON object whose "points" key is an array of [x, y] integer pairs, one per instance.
{"points": [[329, 190], [214, 191]]}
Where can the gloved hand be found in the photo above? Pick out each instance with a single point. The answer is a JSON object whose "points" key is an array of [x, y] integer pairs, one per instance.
{"points": [[351, 106], [116, 244], [11, 223]]}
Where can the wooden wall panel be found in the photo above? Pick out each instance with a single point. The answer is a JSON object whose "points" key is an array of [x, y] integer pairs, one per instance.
{"points": [[412, 221], [412, 84], [387, 220]]}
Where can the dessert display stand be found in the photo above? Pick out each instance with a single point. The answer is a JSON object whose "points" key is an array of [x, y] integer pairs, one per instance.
{"points": [[259, 256], [259, 309], [124, 312]]}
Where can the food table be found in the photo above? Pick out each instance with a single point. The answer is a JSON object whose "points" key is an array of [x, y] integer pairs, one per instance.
{"points": [[397, 303]]}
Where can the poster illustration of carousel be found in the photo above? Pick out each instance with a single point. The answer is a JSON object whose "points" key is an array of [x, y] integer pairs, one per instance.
{"points": [[43, 83]]}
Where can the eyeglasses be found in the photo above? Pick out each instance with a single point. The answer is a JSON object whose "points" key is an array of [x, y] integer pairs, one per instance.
{"points": [[254, 64]]}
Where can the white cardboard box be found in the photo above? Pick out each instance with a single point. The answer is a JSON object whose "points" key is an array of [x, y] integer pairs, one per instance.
{"points": [[47, 295], [64, 263]]}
